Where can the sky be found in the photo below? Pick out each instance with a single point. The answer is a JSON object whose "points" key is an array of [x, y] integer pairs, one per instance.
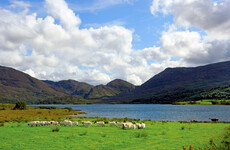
{"points": [[96, 41]]}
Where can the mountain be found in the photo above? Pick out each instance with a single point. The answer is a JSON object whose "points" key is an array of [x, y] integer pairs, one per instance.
{"points": [[70, 87], [121, 86], [171, 85], [182, 83], [16, 85], [111, 89]]}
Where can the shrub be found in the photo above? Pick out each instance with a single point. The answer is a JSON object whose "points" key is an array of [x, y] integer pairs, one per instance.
{"points": [[182, 128], [83, 133], [68, 108], [20, 106], [55, 129], [103, 135], [2, 124]]}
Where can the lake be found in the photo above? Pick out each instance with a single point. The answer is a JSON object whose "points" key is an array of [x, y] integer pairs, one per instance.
{"points": [[154, 111]]}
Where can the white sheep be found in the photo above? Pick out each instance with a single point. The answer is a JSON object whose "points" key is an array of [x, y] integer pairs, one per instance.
{"points": [[119, 124], [54, 123], [129, 125], [86, 123], [33, 123], [66, 122], [140, 125], [100, 123], [112, 123], [75, 123]]}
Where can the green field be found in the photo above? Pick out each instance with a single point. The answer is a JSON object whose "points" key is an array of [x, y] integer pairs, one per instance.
{"points": [[16, 134], [156, 135], [205, 102]]}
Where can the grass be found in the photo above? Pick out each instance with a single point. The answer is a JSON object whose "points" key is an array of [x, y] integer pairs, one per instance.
{"points": [[16, 134], [156, 135], [204, 102], [34, 113]]}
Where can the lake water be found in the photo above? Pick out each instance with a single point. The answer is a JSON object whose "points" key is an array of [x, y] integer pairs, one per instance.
{"points": [[154, 111]]}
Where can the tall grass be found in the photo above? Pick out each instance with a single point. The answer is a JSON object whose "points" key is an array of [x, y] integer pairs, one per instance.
{"points": [[34, 113]]}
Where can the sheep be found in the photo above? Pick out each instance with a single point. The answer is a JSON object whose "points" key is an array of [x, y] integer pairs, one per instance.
{"points": [[75, 123], [140, 125], [100, 123], [129, 125], [112, 123], [86, 123], [119, 124], [54, 123], [33, 123], [66, 122]]}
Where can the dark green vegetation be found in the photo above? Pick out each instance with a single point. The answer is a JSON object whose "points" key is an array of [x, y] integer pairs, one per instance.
{"points": [[170, 86], [20, 106], [156, 135]]}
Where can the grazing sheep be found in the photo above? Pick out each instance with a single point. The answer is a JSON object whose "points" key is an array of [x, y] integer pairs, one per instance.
{"points": [[75, 123], [66, 122], [141, 125], [129, 125], [33, 123], [86, 123], [54, 123], [112, 123], [100, 123], [119, 124]]}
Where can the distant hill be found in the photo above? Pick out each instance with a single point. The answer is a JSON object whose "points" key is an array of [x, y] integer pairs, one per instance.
{"points": [[171, 85], [175, 84], [113, 88], [70, 87], [16, 85]]}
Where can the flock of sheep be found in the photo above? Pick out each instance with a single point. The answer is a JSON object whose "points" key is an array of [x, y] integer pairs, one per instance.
{"points": [[124, 125]]}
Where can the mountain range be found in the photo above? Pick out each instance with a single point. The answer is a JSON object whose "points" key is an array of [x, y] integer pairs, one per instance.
{"points": [[170, 85]]}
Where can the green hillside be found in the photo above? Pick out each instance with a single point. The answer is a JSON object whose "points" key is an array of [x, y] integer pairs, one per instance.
{"points": [[16, 85]]}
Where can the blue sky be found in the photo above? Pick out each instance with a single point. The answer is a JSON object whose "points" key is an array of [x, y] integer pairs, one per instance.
{"points": [[96, 41]]}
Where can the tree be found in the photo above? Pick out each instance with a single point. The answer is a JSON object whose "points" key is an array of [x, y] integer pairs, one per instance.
{"points": [[20, 106]]}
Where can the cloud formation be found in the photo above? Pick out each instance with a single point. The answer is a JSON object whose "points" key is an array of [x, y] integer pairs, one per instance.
{"points": [[48, 50], [207, 45], [56, 47]]}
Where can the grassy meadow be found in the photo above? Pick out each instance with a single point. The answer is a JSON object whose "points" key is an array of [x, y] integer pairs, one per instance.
{"points": [[160, 135], [156, 135]]}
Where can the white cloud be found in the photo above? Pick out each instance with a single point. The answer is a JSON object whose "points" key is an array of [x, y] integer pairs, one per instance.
{"points": [[212, 17], [59, 10]]}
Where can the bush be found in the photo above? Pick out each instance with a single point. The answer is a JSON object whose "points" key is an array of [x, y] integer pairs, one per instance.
{"points": [[182, 128], [68, 108], [2, 124], [103, 134], [55, 129], [20, 106], [83, 133]]}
